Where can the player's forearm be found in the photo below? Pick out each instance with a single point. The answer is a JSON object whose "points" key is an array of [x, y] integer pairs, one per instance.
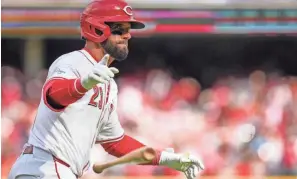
{"points": [[63, 91], [126, 145]]}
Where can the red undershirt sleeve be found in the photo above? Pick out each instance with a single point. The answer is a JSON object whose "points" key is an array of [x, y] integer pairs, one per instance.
{"points": [[126, 145], [60, 92]]}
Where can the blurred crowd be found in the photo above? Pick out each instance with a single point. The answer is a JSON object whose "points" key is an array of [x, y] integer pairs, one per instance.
{"points": [[239, 126]]}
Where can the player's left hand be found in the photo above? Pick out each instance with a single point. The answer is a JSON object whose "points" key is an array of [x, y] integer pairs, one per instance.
{"points": [[186, 163]]}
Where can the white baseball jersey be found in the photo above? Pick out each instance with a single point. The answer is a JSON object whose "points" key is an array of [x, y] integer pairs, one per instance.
{"points": [[69, 134]]}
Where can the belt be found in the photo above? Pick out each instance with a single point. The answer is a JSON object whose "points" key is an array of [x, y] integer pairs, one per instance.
{"points": [[29, 150]]}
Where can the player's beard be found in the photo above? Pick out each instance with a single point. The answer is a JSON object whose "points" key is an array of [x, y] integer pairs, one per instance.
{"points": [[113, 50]]}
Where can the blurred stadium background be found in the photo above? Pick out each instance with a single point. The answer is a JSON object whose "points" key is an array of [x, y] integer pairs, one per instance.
{"points": [[199, 73]]}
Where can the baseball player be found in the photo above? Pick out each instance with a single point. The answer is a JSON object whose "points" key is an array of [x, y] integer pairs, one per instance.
{"points": [[79, 101]]}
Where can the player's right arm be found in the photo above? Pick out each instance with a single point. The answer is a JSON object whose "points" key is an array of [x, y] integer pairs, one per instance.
{"points": [[65, 86]]}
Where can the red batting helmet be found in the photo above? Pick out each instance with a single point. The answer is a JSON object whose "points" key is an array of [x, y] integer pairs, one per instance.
{"points": [[100, 11]]}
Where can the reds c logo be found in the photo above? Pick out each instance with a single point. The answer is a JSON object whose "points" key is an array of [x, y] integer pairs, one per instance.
{"points": [[128, 10]]}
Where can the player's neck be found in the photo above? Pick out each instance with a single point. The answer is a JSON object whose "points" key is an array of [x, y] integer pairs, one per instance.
{"points": [[95, 51]]}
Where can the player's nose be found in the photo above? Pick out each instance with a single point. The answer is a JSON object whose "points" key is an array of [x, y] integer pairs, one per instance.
{"points": [[126, 36]]}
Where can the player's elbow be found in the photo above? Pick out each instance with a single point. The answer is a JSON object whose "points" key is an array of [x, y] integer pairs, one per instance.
{"points": [[53, 103]]}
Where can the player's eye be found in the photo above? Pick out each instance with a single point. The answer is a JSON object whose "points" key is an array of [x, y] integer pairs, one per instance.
{"points": [[119, 31]]}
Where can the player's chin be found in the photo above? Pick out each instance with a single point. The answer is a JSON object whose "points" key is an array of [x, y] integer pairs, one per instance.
{"points": [[121, 54]]}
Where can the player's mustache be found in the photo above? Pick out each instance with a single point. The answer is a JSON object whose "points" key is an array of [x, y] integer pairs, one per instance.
{"points": [[123, 42]]}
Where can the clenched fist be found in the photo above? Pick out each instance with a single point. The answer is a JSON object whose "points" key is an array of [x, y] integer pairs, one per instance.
{"points": [[101, 73]]}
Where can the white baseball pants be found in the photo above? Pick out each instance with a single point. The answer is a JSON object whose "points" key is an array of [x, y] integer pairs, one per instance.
{"points": [[35, 163]]}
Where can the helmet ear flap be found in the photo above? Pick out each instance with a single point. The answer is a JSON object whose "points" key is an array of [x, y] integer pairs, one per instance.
{"points": [[98, 32], [90, 29]]}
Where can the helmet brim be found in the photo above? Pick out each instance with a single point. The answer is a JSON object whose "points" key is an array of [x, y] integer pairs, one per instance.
{"points": [[137, 25]]}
